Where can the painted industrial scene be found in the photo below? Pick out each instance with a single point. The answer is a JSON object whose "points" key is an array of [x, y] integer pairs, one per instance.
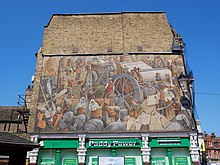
{"points": [[113, 93]]}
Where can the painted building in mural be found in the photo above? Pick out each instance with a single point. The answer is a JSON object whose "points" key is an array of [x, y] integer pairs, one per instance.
{"points": [[112, 88]]}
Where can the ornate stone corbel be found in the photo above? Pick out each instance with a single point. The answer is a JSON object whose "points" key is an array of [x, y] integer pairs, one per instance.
{"points": [[145, 150], [194, 149], [33, 155], [81, 150]]}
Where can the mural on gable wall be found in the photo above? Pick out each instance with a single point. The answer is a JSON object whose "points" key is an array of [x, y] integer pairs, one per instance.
{"points": [[113, 93]]}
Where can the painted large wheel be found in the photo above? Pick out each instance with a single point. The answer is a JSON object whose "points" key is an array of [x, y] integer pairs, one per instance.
{"points": [[127, 88]]}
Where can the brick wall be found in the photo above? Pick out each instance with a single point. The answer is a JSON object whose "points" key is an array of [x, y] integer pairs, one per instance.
{"points": [[94, 33]]}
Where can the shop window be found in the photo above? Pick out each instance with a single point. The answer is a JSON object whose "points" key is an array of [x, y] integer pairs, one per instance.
{"points": [[209, 154], [159, 160], [130, 156], [159, 152], [68, 157], [47, 156], [181, 156], [111, 160], [180, 152], [216, 154], [210, 144], [159, 156]]}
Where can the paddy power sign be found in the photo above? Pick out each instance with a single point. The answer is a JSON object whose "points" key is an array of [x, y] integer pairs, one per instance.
{"points": [[110, 143]]}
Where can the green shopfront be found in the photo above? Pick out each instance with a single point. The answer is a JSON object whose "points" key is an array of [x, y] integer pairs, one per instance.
{"points": [[121, 149], [58, 152], [114, 151], [172, 151]]}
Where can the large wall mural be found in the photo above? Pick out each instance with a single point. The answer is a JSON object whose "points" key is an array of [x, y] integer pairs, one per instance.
{"points": [[113, 93]]}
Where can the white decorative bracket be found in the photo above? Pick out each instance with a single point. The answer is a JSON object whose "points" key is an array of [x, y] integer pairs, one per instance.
{"points": [[194, 148], [145, 149], [32, 155], [82, 149]]}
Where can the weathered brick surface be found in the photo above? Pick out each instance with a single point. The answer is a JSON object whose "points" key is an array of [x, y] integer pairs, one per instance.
{"points": [[149, 30], [94, 33], [35, 91], [88, 33]]}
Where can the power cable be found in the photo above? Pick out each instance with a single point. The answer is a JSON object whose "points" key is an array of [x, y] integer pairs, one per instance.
{"points": [[207, 93]]}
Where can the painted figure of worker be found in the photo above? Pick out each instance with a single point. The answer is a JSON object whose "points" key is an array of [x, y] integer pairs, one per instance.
{"points": [[81, 106], [93, 105], [95, 110], [109, 88], [56, 118], [136, 108], [41, 124]]}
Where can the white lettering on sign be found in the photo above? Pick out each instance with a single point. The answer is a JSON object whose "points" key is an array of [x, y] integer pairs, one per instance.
{"points": [[114, 143], [169, 142]]}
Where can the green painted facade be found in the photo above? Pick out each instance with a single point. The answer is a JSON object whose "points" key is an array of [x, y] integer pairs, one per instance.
{"points": [[58, 152], [165, 151], [169, 142], [61, 144], [170, 151]]}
